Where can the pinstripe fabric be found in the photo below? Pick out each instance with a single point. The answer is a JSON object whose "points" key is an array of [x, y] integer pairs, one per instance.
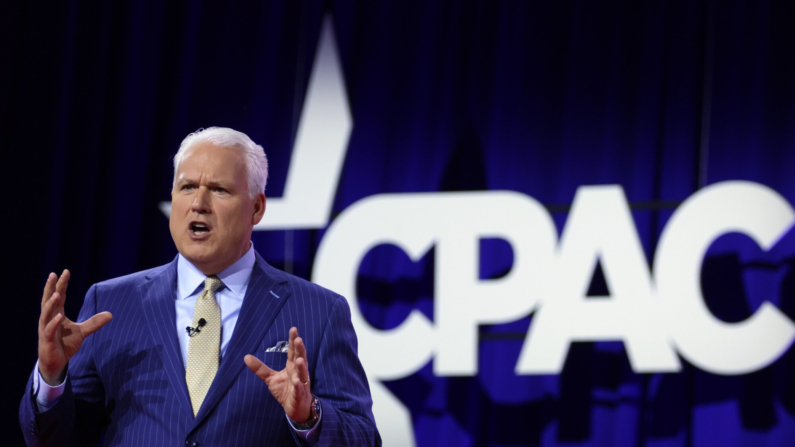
{"points": [[128, 380]]}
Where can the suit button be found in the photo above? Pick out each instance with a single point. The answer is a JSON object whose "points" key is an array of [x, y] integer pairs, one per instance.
{"points": [[190, 443]]}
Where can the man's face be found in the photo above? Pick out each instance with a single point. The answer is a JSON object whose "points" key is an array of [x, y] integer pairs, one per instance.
{"points": [[212, 215]]}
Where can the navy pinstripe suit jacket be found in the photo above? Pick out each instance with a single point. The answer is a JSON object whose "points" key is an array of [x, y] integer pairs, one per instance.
{"points": [[126, 386]]}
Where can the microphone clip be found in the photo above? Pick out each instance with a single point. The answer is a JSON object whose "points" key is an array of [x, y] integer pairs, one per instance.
{"points": [[195, 330]]}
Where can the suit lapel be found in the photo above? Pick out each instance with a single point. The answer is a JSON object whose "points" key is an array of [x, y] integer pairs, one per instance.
{"points": [[266, 293], [161, 317]]}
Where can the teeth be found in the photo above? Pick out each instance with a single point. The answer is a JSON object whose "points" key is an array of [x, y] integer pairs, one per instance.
{"points": [[199, 229]]}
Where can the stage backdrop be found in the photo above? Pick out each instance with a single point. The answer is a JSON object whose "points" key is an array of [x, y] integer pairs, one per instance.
{"points": [[557, 224]]}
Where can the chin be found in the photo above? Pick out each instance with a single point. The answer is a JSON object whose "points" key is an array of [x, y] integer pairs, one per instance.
{"points": [[196, 254]]}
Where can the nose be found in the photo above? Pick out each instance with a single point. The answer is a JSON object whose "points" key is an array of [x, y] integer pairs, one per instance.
{"points": [[201, 201]]}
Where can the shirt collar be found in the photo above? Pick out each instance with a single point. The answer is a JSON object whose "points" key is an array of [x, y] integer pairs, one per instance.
{"points": [[235, 277]]}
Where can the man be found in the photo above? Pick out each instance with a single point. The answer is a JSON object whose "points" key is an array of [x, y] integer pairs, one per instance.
{"points": [[169, 366]]}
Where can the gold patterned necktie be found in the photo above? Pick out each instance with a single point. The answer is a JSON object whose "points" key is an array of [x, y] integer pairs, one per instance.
{"points": [[205, 344]]}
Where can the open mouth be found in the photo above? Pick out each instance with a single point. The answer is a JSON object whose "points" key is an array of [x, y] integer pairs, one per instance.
{"points": [[199, 228]]}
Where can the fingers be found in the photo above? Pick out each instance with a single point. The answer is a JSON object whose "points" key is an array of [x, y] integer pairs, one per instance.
{"points": [[94, 323], [52, 326], [63, 281], [296, 352], [50, 310], [301, 364], [299, 389], [291, 345], [301, 373], [257, 367], [49, 288], [54, 296]]}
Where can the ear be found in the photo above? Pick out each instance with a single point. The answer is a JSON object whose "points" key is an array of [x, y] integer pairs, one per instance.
{"points": [[259, 209]]}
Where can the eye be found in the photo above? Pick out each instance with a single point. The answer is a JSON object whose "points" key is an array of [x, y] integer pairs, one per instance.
{"points": [[219, 189], [187, 187]]}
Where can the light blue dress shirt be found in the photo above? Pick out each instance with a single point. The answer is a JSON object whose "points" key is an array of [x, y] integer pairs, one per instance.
{"points": [[190, 284]]}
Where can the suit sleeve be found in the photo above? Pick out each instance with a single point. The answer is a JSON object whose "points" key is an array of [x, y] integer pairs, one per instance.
{"points": [[76, 419], [341, 385]]}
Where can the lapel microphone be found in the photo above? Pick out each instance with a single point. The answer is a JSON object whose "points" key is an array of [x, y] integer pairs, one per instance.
{"points": [[195, 330]]}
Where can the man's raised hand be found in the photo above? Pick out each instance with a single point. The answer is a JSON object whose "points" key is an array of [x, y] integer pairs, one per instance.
{"points": [[59, 337], [289, 386]]}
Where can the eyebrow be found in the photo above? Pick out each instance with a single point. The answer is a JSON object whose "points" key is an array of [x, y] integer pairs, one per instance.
{"points": [[210, 184]]}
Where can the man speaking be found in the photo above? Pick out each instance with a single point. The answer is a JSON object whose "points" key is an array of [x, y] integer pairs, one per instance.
{"points": [[203, 351]]}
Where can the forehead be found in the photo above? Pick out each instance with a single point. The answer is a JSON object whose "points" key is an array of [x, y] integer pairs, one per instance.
{"points": [[206, 159]]}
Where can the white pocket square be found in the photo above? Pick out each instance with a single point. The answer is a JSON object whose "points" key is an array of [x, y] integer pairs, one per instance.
{"points": [[279, 347]]}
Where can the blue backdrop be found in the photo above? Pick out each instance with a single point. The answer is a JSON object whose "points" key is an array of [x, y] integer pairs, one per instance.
{"points": [[662, 98]]}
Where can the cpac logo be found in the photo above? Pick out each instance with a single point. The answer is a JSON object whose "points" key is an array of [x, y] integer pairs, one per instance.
{"points": [[656, 316], [659, 315]]}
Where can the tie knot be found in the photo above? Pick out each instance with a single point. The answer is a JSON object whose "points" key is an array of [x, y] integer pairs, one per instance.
{"points": [[212, 283]]}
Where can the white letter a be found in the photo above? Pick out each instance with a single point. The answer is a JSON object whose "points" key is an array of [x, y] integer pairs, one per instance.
{"points": [[599, 226]]}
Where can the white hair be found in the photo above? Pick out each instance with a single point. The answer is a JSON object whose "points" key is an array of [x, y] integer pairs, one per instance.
{"points": [[256, 161]]}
